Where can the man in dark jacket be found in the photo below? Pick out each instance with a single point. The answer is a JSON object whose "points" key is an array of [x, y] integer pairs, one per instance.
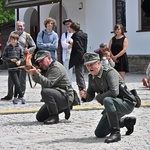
{"points": [[79, 47], [57, 92]]}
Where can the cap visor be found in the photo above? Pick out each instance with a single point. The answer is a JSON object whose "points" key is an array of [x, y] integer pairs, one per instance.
{"points": [[89, 62]]}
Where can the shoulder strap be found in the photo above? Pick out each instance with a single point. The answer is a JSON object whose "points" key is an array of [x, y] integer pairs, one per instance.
{"points": [[27, 38], [42, 34], [66, 34]]}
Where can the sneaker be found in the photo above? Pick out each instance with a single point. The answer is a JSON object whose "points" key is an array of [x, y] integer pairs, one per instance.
{"points": [[6, 98], [23, 101], [15, 101]]}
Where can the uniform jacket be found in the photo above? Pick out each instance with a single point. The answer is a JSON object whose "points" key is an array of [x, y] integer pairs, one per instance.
{"points": [[55, 77], [105, 84], [11, 52], [79, 47]]}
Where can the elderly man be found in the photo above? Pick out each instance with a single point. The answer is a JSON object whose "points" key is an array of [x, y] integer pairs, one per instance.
{"points": [[57, 92], [28, 45], [105, 82]]}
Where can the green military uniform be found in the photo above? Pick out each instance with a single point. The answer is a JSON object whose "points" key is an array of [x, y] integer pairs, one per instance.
{"points": [[57, 92], [104, 87]]}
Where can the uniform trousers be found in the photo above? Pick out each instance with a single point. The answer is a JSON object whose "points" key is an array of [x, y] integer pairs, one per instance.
{"points": [[119, 105], [79, 72], [55, 103]]}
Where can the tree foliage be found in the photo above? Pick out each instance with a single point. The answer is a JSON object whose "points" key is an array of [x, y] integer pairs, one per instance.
{"points": [[6, 15]]}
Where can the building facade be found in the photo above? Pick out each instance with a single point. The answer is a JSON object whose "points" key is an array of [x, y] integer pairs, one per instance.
{"points": [[97, 19]]}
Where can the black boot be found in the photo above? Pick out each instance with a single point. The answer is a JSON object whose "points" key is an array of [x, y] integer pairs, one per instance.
{"points": [[67, 112], [53, 119], [129, 123], [115, 130], [138, 100]]}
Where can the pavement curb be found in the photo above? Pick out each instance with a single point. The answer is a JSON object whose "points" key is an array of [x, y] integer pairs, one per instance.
{"points": [[75, 108]]}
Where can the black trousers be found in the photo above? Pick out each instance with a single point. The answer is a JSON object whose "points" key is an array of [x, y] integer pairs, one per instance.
{"points": [[15, 75], [79, 72], [11, 84], [55, 103]]}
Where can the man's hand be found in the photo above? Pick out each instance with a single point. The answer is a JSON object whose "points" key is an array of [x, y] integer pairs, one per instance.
{"points": [[33, 70], [14, 60], [83, 93], [18, 62], [26, 51]]}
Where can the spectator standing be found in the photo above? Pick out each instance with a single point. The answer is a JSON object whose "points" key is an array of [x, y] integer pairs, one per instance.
{"points": [[47, 39], [105, 82], [118, 47], [79, 48], [66, 43], [57, 92], [28, 46], [13, 55]]}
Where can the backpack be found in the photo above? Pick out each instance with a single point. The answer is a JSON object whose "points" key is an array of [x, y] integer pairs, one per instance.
{"points": [[35, 51]]}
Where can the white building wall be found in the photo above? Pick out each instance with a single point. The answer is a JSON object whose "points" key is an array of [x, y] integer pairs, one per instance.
{"points": [[97, 19]]}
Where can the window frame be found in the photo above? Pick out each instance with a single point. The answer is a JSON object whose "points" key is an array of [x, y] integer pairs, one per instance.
{"points": [[143, 27], [116, 14]]}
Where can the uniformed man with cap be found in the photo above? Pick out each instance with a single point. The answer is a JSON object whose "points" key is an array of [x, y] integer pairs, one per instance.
{"points": [[57, 92], [105, 82]]}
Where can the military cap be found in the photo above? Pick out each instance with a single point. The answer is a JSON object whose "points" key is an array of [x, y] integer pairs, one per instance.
{"points": [[90, 57], [41, 54], [67, 20]]}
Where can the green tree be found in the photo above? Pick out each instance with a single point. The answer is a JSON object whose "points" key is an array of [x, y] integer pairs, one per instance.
{"points": [[6, 15]]}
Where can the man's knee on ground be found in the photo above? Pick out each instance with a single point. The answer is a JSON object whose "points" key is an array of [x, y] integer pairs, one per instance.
{"points": [[100, 134]]}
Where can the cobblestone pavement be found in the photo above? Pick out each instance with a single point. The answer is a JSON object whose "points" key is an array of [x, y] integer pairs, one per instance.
{"points": [[22, 131]]}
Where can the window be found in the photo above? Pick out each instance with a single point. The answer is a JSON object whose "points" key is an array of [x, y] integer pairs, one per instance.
{"points": [[120, 10], [145, 15]]}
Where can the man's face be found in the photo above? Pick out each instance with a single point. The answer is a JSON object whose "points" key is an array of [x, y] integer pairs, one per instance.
{"points": [[67, 25], [44, 63], [50, 25], [94, 68], [103, 49], [20, 27]]}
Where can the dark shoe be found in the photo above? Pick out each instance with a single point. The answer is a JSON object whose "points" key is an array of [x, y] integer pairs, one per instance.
{"points": [[23, 101], [52, 120], [129, 123], [67, 113], [15, 101], [6, 98], [114, 137]]}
